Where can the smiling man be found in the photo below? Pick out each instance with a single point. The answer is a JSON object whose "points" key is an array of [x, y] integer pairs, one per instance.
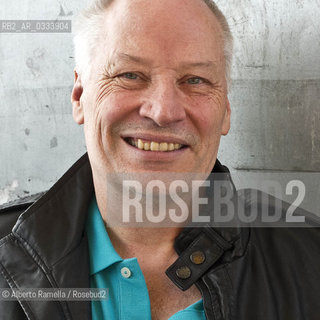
{"points": [[153, 99], [151, 84]]}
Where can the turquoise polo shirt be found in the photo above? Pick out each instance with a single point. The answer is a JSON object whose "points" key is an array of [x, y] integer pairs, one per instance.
{"points": [[128, 293]]}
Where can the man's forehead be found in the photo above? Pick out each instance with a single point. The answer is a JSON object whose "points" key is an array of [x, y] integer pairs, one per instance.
{"points": [[161, 10], [186, 39]]}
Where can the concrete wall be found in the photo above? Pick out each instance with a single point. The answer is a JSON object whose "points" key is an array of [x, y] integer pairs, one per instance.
{"points": [[275, 94], [276, 89]]}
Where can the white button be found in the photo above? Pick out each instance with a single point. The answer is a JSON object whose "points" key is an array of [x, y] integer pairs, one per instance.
{"points": [[125, 272]]}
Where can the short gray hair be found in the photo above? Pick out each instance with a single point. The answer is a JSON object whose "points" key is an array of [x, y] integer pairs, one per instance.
{"points": [[86, 34]]}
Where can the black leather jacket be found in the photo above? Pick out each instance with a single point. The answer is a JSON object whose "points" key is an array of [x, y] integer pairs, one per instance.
{"points": [[248, 273]]}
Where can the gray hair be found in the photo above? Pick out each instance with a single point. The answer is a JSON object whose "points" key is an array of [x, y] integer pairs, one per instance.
{"points": [[86, 34]]}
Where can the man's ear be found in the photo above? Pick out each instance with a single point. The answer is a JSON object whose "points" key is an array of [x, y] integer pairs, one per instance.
{"points": [[77, 109], [226, 120]]}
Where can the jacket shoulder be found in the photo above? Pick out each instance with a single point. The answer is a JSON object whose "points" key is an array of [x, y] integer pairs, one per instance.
{"points": [[10, 212]]}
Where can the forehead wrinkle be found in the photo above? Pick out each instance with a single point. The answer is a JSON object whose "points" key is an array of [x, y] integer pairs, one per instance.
{"points": [[203, 65], [118, 56], [145, 61]]}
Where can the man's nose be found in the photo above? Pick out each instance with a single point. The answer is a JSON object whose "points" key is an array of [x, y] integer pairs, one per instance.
{"points": [[164, 105]]}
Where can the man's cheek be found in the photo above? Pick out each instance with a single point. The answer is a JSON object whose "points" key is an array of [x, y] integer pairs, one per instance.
{"points": [[114, 108], [206, 122]]}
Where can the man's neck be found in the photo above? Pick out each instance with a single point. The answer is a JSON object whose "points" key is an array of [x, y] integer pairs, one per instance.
{"points": [[132, 241]]}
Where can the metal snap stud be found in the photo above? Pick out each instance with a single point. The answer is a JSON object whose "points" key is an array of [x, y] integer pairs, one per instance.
{"points": [[183, 272], [198, 257]]}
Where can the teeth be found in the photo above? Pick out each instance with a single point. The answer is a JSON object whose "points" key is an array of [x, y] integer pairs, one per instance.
{"points": [[146, 146], [155, 146], [140, 144], [163, 146]]}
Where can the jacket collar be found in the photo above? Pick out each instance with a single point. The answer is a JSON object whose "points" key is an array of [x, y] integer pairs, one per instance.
{"points": [[219, 245], [60, 215]]}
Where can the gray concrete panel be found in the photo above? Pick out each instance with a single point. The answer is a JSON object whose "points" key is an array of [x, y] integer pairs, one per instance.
{"points": [[275, 126]]}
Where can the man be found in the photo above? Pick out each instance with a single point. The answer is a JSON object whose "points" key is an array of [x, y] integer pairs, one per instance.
{"points": [[150, 89]]}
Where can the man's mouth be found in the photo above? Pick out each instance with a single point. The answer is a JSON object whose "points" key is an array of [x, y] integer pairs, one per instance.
{"points": [[154, 146]]}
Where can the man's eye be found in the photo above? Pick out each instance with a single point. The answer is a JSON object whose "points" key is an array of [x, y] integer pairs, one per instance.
{"points": [[129, 75], [195, 81]]}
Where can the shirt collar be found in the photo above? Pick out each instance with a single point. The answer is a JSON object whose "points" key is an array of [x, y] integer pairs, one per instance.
{"points": [[101, 251]]}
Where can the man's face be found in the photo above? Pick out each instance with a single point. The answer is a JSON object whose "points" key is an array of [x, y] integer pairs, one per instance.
{"points": [[157, 82]]}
